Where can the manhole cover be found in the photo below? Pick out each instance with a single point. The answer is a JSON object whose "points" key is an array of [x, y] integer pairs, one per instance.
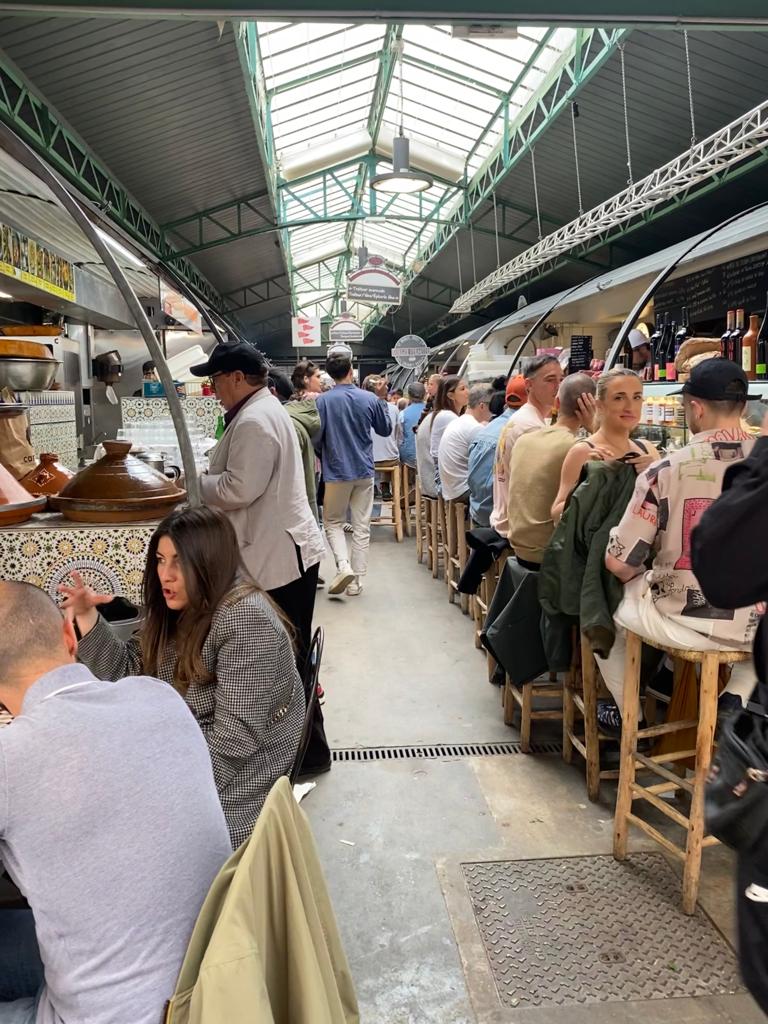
{"points": [[591, 930]]}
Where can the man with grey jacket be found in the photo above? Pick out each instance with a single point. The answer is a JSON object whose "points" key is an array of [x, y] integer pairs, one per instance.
{"points": [[110, 826], [255, 477]]}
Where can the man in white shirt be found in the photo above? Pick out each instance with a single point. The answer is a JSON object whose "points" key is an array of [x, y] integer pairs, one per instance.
{"points": [[453, 453], [542, 381], [385, 449]]}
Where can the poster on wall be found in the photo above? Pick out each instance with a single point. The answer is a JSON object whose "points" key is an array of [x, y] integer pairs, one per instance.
{"points": [[305, 332], [26, 260], [184, 312]]}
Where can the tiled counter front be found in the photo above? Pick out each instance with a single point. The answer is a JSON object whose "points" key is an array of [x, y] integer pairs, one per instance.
{"points": [[198, 412], [46, 549], [52, 424]]}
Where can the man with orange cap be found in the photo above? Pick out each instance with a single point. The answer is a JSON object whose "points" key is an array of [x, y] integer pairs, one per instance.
{"points": [[482, 454]]}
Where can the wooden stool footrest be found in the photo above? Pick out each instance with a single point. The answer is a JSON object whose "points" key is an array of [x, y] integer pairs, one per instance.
{"points": [[642, 793], [663, 773], [654, 833]]}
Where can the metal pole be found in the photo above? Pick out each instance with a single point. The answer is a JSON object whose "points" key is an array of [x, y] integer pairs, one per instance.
{"points": [[26, 156]]}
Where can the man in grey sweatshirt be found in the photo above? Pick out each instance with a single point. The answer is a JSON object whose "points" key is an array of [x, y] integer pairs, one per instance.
{"points": [[110, 825]]}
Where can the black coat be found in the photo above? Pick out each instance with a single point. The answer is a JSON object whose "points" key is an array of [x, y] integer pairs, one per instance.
{"points": [[729, 547]]}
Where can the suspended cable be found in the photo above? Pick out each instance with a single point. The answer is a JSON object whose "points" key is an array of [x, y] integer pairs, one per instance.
{"points": [[536, 191], [496, 229], [458, 262], [410, 316], [690, 86], [472, 244], [574, 115], [630, 179]]}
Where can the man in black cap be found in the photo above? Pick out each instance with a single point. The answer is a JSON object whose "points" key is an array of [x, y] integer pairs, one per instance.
{"points": [[255, 476], [650, 549]]}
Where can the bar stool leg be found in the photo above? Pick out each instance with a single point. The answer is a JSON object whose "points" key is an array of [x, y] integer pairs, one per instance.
{"points": [[628, 744], [435, 549], [449, 549], [569, 718], [419, 523], [591, 739], [397, 512], [461, 544], [705, 735], [525, 718]]}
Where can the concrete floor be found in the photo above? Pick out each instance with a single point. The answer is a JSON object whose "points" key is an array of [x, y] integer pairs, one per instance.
{"points": [[400, 668]]}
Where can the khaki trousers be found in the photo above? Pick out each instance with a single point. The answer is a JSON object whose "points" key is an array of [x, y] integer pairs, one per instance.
{"points": [[355, 497]]}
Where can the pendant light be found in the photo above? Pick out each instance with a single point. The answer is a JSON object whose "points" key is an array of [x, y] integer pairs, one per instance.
{"points": [[401, 178]]}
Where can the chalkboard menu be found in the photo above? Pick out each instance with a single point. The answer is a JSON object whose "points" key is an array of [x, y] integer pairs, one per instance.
{"points": [[709, 294], [581, 352]]}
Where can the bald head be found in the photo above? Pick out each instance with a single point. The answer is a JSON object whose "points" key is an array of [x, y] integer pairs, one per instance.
{"points": [[32, 634]]}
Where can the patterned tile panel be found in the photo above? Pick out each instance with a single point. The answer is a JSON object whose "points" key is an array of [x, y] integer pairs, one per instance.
{"points": [[200, 412]]}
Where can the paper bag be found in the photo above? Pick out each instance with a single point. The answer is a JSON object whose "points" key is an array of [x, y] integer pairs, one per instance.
{"points": [[16, 453]]}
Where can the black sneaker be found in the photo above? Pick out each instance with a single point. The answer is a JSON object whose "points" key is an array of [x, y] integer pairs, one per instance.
{"points": [[608, 718]]}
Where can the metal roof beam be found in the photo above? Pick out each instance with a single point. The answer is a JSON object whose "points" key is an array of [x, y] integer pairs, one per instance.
{"points": [[741, 14], [266, 290], [29, 115], [588, 54]]}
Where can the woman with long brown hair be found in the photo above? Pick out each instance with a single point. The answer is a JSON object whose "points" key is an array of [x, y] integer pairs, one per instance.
{"points": [[219, 640]]}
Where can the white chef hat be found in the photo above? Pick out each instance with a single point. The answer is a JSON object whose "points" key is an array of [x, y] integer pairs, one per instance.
{"points": [[637, 338]]}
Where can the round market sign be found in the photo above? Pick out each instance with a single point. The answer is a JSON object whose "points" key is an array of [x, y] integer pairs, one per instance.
{"points": [[410, 351]]}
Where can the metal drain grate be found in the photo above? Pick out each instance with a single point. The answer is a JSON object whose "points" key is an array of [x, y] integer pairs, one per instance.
{"points": [[582, 930], [434, 750]]}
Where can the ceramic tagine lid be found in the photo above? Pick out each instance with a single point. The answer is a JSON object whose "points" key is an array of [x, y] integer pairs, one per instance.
{"points": [[117, 488], [48, 476], [16, 503]]}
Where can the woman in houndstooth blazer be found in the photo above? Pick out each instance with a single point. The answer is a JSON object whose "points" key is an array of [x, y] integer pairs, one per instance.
{"points": [[221, 642]]}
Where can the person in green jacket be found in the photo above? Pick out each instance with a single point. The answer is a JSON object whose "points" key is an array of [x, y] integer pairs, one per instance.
{"points": [[306, 423]]}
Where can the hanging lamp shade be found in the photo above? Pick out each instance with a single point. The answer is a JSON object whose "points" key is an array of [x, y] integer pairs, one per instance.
{"points": [[401, 178]]}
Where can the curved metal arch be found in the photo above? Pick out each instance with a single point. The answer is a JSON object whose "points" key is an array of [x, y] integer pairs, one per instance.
{"points": [[20, 151], [641, 303]]}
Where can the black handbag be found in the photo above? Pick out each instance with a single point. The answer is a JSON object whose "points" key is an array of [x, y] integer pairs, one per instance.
{"points": [[736, 795]]}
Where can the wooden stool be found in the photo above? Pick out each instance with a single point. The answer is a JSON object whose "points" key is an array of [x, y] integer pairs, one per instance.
{"points": [[442, 525], [421, 517], [523, 696], [489, 584], [580, 689], [632, 760], [434, 540], [407, 481], [456, 558], [391, 470]]}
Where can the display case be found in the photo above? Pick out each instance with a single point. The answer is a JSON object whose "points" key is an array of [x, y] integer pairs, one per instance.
{"points": [[663, 419]]}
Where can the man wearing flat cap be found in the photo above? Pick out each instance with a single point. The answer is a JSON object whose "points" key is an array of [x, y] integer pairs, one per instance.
{"points": [[255, 476]]}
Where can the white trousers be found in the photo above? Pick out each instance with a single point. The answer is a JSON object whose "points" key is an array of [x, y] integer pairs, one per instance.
{"points": [[355, 496], [638, 613]]}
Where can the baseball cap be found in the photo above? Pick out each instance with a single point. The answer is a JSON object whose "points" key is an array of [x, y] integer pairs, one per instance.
{"points": [[516, 390], [637, 339], [717, 380], [228, 357]]}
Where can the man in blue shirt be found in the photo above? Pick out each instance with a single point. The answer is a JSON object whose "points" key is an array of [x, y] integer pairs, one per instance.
{"points": [[347, 416], [482, 455], [409, 417]]}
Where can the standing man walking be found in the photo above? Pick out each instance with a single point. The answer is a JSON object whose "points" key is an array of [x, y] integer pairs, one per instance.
{"points": [[256, 477], [347, 416]]}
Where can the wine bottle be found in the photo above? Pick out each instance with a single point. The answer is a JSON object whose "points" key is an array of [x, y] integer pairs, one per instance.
{"points": [[660, 355], [654, 341], [725, 337], [672, 352], [762, 347], [736, 335], [684, 331], [749, 347]]}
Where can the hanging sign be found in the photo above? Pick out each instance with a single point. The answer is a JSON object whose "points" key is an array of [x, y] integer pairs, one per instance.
{"points": [[184, 312], [411, 351], [374, 283], [33, 264], [305, 331], [345, 330]]}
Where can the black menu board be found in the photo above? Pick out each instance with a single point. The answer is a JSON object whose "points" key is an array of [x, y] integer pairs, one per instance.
{"points": [[581, 352], [710, 293]]}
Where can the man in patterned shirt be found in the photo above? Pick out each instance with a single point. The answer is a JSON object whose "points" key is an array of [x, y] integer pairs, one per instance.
{"points": [[665, 603]]}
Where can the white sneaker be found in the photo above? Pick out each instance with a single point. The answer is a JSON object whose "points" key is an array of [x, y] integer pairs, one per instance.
{"points": [[341, 581], [354, 589]]}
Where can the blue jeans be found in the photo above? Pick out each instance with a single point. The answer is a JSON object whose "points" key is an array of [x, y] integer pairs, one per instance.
{"points": [[21, 969]]}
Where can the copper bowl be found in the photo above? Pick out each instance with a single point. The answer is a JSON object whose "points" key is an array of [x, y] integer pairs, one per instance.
{"points": [[48, 477], [118, 488]]}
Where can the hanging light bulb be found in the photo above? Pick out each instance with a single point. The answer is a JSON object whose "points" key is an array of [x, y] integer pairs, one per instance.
{"points": [[362, 256], [401, 178]]}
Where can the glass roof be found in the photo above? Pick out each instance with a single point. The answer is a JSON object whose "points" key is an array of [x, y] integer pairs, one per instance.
{"points": [[333, 104]]}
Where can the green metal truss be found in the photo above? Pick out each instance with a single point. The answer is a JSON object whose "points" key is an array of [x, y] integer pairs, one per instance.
{"points": [[589, 52], [29, 115]]}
